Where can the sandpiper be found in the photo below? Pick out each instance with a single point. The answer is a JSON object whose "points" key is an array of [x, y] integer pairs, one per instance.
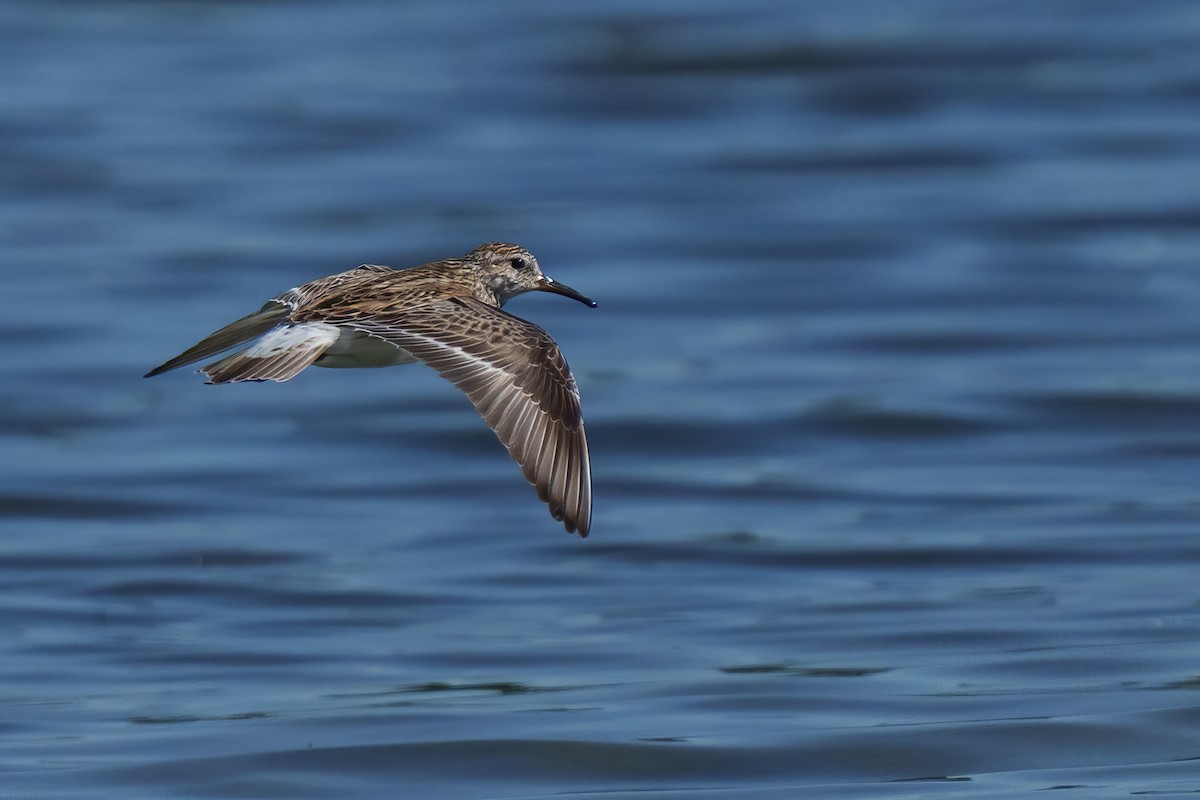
{"points": [[446, 314]]}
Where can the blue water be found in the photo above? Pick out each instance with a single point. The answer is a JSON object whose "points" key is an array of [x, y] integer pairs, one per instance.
{"points": [[893, 398]]}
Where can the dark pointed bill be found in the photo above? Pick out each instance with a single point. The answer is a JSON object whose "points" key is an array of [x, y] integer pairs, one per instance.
{"points": [[548, 284]]}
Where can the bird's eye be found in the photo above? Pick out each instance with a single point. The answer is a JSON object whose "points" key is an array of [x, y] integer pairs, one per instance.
{"points": [[518, 263]]}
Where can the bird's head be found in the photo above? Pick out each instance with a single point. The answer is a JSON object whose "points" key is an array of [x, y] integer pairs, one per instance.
{"points": [[509, 270]]}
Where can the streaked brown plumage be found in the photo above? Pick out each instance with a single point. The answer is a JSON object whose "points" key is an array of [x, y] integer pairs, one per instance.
{"points": [[446, 314]]}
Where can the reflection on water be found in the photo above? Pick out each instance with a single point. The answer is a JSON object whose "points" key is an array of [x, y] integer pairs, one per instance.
{"points": [[890, 394]]}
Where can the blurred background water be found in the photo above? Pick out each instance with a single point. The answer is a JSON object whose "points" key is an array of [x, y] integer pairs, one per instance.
{"points": [[892, 394]]}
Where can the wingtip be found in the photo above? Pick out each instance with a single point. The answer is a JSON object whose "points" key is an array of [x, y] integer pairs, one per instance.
{"points": [[577, 527]]}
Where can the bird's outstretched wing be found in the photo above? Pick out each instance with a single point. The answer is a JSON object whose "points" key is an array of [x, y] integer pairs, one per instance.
{"points": [[518, 380], [271, 314]]}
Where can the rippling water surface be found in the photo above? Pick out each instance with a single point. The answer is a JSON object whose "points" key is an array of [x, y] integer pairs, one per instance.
{"points": [[893, 396]]}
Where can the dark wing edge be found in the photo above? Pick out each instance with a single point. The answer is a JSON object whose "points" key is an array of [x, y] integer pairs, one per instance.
{"points": [[518, 380]]}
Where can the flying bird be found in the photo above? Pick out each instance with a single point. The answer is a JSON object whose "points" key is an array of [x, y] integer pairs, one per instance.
{"points": [[448, 315]]}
